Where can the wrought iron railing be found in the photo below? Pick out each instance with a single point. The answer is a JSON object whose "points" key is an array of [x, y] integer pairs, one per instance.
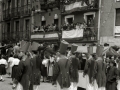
{"points": [[26, 10], [6, 14], [50, 4]]}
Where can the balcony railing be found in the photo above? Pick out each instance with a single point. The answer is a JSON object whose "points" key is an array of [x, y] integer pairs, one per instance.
{"points": [[6, 14], [50, 4], [55, 4], [26, 10], [15, 12], [79, 32]]}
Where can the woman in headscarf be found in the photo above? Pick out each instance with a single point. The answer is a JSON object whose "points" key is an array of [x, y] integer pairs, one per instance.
{"points": [[3, 66]]}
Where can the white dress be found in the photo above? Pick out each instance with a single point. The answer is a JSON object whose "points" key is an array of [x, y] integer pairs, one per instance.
{"points": [[10, 61]]}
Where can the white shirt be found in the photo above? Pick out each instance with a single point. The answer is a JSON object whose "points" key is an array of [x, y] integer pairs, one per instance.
{"points": [[3, 61], [10, 60], [15, 62]]}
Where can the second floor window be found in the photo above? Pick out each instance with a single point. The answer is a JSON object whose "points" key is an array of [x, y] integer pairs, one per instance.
{"points": [[27, 2], [17, 3], [117, 22]]}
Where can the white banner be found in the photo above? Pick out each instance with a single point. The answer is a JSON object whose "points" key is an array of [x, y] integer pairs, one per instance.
{"points": [[52, 35], [75, 33], [82, 49], [74, 5], [36, 36]]}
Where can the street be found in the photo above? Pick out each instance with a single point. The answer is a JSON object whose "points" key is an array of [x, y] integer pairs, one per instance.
{"points": [[6, 85]]}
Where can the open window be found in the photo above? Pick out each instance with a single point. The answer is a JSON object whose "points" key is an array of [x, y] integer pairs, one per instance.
{"points": [[89, 17], [69, 19], [117, 22]]}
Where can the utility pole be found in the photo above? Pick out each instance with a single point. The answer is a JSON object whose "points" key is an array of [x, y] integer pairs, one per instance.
{"points": [[99, 21]]}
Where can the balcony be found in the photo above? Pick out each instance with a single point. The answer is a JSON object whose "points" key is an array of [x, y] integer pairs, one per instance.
{"points": [[15, 12], [79, 33], [50, 4], [44, 5], [6, 14], [54, 4], [79, 5], [26, 10], [45, 34]]}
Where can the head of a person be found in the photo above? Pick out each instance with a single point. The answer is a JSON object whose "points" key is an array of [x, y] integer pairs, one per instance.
{"points": [[88, 55], [94, 56], [15, 56], [11, 55], [3, 56], [112, 63], [34, 52]]}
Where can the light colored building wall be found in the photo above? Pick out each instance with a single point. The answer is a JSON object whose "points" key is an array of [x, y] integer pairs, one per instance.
{"points": [[107, 22], [108, 17]]}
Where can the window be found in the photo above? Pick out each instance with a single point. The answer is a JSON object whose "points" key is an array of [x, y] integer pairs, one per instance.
{"points": [[8, 30], [69, 19], [88, 16], [56, 21], [27, 27], [27, 2], [117, 22], [17, 26], [43, 23]]}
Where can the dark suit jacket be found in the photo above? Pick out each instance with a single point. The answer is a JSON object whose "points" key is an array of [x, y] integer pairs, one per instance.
{"points": [[100, 72], [61, 72], [112, 74], [36, 70], [89, 69], [25, 71]]}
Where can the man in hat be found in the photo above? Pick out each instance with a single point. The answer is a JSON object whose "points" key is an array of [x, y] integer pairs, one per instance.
{"points": [[36, 63], [112, 76], [100, 70], [88, 72], [61, 70]]}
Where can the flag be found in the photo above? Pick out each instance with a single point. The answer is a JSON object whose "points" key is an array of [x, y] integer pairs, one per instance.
{"points": [[25, 47], [35, 46]]}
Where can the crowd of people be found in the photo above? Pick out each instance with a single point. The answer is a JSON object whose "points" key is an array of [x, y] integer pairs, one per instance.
{"points": [[59, 67], [46, 28]]}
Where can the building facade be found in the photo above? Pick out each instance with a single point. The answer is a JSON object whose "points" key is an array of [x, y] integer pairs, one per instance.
{"points": [[1, 20], [83, 14], [46, 17], [16, 20], [110, 22]]}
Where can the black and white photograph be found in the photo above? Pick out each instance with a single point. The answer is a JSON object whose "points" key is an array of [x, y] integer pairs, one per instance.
{"points": [[59, 44]]}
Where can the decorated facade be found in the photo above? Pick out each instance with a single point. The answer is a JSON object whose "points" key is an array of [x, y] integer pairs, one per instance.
{"points": [[16, 20], [47, 20], [80, 20]]}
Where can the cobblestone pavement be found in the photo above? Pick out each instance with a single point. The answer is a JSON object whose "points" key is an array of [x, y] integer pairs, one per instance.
{"points": [[6, 85]]}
